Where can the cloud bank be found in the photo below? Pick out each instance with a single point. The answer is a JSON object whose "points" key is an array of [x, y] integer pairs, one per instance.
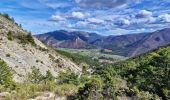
{"points": [[103, 3], [102, 16]]}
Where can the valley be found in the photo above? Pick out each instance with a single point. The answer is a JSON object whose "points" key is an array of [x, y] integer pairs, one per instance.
{"points": [[96, 54]]}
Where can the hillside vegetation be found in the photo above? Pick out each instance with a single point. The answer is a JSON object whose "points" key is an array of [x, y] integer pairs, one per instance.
{"points": [[145, 77]]}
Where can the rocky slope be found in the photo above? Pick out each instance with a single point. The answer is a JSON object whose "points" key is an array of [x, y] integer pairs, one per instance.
{"points": [[21, 55]]}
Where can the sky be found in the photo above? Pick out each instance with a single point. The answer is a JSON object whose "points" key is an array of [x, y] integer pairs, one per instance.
{"points": [[105, 17]]}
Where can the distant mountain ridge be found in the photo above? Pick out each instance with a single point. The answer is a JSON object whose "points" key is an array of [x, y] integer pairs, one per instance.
{"points": [[135, 44], [65, 39], [126, 45]]}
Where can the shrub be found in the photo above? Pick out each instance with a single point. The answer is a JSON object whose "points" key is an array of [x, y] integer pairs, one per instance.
{"points": [[35, 76], [91, 90], [6, 75], [10, 36], [68, 77], [51, 57], [66, 89], [49, 77], [8, 55], [30, 39], [25, 92], [25, 39], [42, 49], [8, 17]]}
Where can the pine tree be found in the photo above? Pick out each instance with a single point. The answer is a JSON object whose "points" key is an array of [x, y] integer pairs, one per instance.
{"points": [[5, 75]]}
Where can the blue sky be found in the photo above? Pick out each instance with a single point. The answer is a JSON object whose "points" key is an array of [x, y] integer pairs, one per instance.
{"points": [[106, 17]]}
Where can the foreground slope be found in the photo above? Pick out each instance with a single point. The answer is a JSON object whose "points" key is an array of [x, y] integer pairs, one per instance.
{"points": [[146, 77], [22, 52], [149, 72]]}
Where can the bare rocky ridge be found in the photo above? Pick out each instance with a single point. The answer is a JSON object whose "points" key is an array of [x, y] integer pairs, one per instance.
{"points": [[22, 57]]}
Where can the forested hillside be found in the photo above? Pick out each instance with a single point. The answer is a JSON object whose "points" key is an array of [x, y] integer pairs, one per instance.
{"points": [[145, 77]]}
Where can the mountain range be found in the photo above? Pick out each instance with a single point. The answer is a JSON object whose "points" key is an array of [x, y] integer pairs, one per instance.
{"points": [[126, 45]]}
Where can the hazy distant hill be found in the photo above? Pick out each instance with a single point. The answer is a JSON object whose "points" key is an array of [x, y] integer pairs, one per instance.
{"points": [[126, 45], [135, 44]]}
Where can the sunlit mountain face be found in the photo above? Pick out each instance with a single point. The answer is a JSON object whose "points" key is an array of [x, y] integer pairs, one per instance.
{"points": [[106, 17]]}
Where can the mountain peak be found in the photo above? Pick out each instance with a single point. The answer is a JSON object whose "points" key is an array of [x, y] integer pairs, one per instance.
{"points": [[65, 38]]}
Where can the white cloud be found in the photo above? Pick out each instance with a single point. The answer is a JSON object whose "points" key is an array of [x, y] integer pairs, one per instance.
{"points": [[95, 20], [57, 18], [144, 14], [164, 18], [82, 24], [117, 31], [151, 20], [143, 21], [122, 22], [78, 15], [104, 20]]}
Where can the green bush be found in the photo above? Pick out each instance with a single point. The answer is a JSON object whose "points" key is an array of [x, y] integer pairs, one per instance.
{"points": [[35, 76], [49, 77], [25, 39], [8, 17], [6, 76], [10, 36], [30, 39], [91, 90], [68, 77], [8, 55], [66, 89]]}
